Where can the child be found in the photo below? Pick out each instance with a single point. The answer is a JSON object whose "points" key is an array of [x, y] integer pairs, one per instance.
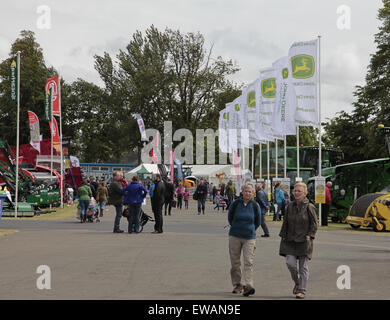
{"points": [[186, 196], [218, 199]]}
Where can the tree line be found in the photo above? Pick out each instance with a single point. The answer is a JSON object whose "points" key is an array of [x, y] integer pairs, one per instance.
{"points": [[171, 76]]}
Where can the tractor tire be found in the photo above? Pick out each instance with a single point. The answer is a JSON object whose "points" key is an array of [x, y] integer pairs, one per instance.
{"points": [[355, 226], [379, 227], [335, 219]]}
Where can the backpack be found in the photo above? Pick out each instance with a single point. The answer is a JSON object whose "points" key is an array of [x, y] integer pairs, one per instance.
{"points": [[254, 206]]}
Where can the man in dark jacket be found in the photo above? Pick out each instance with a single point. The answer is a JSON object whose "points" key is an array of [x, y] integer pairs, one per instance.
{"points": [[201, 192], [261, 199], [116, 199], [158, 200], [169, 192]]}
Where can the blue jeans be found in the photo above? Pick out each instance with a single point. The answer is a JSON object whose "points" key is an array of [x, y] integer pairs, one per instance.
{"points": [[118, 216], [84, 204], [276, 215], [135, 210], [201, 203]]}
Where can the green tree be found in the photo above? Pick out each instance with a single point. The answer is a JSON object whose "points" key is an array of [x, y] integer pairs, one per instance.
{"points": [[355, 132], [32, 84]]}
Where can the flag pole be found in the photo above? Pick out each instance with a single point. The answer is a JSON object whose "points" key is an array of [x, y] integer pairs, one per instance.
{"points": [[61, 151], [51, 135], [285, 158], [261, 161], [319, 121], [17, 139], [253, 159], [276, 158], [268, 182], [297, 152]]}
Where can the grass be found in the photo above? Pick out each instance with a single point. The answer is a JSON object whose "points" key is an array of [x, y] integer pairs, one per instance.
{"points": [[59, 214], [4, 232]]}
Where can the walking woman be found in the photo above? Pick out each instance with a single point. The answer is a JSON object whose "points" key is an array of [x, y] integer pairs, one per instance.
{"points": [[179, 195], [101, 197], [297, 233], [134, 196], [85, 194], [244, 218]]}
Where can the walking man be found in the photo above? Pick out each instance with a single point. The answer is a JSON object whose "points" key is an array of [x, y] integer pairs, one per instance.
{"points": [[158, 200], [116, 199], [201, 192], [262, 200], [169, 193]]}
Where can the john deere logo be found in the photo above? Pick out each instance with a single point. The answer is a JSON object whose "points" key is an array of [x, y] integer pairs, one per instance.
{"points": [[268, 88], [226, 116], [302, 66], [285, 73], [251, 99], [237, 107]]}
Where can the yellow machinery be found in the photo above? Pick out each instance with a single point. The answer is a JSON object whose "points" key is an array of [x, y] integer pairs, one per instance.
{"points": [[219, 178], [371, 210], [190, 182]]}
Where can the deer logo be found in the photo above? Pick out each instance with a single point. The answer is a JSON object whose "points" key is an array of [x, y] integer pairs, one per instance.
{"points": [[302, 66], [268, 88], [251, 99]]}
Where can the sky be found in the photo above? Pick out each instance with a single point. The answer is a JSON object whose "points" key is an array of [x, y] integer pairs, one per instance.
{"points": [[253, 33]]}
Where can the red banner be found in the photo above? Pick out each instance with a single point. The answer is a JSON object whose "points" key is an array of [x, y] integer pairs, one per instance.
{"points": [[56, 135], [53, 83], [34, 131]]}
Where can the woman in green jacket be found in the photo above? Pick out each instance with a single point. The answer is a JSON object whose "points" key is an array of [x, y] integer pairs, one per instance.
{"points": [[85, 194]]}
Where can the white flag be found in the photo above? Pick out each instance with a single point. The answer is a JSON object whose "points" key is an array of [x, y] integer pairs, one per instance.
{"points": [[284, 113], [267, 100], [238, 133], [223, 131], [141, 127], [303, 59]]}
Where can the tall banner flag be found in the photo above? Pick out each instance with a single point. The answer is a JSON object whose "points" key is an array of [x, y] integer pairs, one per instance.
{"points": [[223, 126], [179, 171], [53, 83], [141, 127], [13, 78], [267, 99], [35, 137], [303, 60], [172, 168], [55, 134], [238, 133], [283, 118], [252, 100], [48, 104]]}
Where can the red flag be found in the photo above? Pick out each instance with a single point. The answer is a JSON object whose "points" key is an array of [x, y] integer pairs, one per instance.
{"points": [[53, 82], [55, 134], [34, 131]]}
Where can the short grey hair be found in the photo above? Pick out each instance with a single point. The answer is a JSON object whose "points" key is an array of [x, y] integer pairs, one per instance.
{"points": [[246, 185]]}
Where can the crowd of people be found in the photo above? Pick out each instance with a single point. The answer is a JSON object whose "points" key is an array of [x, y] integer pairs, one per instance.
{"points": [[246, 213]]}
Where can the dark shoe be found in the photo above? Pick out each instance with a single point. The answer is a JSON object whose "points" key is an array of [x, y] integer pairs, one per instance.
{"points": [[300, 295], [130, 232], [295, 289], [154, 232], [248, 291], [238, 289], [118, 231], [265, 236], [97, 220]]}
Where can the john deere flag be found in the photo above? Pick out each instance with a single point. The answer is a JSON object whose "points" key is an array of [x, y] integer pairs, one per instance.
{"points": [[238, 127], [56, 137], [267, 99], [48, 104], [223, 131], [303, 60], [13, 78], [53, 83], [34, 131], [283, 118]]}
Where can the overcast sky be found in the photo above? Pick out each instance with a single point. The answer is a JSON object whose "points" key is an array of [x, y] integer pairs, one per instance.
{"points": [[254, 33]]}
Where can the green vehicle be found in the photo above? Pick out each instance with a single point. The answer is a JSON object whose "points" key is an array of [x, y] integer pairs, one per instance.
{"points": [[352, 180]]}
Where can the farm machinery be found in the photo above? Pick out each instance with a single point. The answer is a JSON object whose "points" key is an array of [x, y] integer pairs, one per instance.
{"points": [[38, 186]]}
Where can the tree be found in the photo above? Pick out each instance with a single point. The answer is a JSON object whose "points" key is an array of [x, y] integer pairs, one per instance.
{"points": [[32, 84], [355, 133]]}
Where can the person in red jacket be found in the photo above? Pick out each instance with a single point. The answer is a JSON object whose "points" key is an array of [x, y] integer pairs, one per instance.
{"points": [[328, 202]]}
